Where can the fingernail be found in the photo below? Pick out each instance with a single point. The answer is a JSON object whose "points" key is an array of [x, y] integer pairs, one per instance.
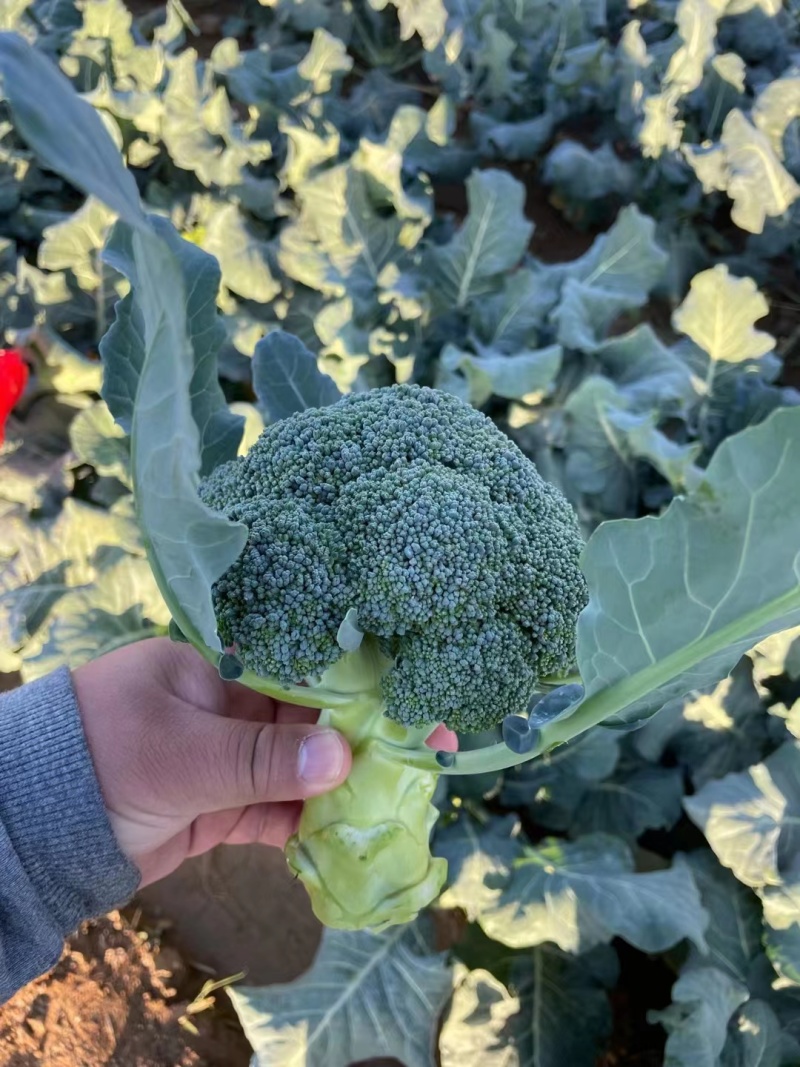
{"points": [[321, 758]]}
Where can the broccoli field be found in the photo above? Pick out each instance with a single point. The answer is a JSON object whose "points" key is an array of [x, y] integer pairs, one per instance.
{"points": [[559, 233]]}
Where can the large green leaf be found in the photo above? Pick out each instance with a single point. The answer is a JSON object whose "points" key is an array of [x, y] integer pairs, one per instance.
{"points": [[509, 320], [97, 440], [494, 374], [646, 371], [696, 22], [286, 378], [44, 562], [75, 244], [553, 787], [125, 346], [782, 927], [630, 802], [777, 107], [719, 560], [746, 166], [751, 819], [243, 257], [755, 1038], [536, 1025], [366, 995], [425, 17], [710, 733], [733, 935], [476, 857], [577, 894], [719, 315], [121, 605], [66, 133], [616, 274], [703, 1003], [190, 545], [491, 240]]}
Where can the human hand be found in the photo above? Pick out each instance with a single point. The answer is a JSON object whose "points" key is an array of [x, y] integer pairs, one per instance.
{"points": [[186, 761]]}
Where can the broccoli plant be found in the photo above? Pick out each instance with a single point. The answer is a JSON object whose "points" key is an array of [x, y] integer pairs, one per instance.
{"points": [[404, 515], [394, 561]]}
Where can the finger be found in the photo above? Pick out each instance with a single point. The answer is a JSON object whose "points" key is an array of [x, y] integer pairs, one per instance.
{"points": [[230, 763], [264, 824], [295, 713], [443, 740]]}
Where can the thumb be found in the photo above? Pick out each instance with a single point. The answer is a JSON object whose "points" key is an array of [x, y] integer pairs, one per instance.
{"points": [[241, 763]]}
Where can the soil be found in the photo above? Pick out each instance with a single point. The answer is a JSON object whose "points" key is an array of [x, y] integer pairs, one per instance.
{"points": [[115, 999], [127, 991]]}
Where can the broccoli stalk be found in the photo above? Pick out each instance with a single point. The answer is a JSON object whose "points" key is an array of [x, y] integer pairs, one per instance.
{"points": [[363, 851], [405, 515]]}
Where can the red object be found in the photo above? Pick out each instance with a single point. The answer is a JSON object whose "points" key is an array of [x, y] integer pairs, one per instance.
{"points": [[13, 379]]}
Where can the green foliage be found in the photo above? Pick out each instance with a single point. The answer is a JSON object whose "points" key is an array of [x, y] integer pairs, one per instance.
{"points": [[390, 989], [358, 190]]}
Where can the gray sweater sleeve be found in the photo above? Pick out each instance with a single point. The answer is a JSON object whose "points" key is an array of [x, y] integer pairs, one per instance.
{"points": [[59, 860]]}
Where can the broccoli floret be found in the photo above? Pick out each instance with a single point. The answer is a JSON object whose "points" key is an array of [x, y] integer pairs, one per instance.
{"points": [[412, 508]]}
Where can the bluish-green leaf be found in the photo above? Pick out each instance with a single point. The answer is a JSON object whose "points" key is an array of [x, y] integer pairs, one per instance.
{"points": [[97, 440], [125, 346], [286, 377], [710, 733], [64, 131], [425, 17], [745, 165], [243, 258], [718, 560], [752, 819], [580, 174], [366, 995], [552, 786], [782, 927], [754, 1038], [630, 802], [733, 935], [719, 315], [491, 240], [508, 321], [477, 857], [703, 1002], [584, 893], [536, 1027], [617, 274], [494, 374]]}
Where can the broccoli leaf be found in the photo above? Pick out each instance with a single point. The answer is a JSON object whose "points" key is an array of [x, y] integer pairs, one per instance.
{"points": [[125, 346], [286, 377], [493, 373], [718, 560], [65, 132], [615, 275], [751, 818], [551, 991], [733, 935], [425, 17], [366, 995], [746, 166], [704, 1001], [719, 315], [577, 894], [190, 546], [97, 440], [492, 239], [782, 927]]}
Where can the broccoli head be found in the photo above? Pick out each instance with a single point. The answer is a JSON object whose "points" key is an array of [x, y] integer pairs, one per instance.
{"points": [[411, 508]]}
